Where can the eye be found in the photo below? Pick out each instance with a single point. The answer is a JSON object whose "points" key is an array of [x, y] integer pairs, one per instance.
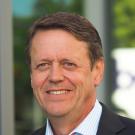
{"points": [[69, 65], [43, 66]]}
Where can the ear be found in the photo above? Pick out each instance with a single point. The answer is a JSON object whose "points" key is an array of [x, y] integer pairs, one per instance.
{"points": [[98, 71]]}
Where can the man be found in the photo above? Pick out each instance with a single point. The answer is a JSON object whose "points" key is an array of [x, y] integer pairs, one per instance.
{"points": [[66, 63]]}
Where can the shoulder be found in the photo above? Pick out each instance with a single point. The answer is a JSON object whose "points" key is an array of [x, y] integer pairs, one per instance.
{"points": [[130, 123], [126, 121], [40, 131], [114, 123]]}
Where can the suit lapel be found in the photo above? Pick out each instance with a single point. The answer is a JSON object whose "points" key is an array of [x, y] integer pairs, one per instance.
{"points": [[109, 123]]}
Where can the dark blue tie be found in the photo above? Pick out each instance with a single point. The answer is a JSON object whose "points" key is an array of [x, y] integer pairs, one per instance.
{"points": [[75, 133]]}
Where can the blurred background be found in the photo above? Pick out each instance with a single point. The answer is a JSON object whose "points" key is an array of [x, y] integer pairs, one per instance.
{"points": [[115, 22]]}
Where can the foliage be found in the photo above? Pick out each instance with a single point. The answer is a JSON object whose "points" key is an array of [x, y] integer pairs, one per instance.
{"points": [[52, 6], [124, 21]]}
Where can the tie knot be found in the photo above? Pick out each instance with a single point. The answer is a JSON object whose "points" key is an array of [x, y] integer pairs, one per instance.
{"points": [[76, 133]]}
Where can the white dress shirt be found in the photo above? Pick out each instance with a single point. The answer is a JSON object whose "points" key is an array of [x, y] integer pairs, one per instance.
{"points": [[88, 126]]}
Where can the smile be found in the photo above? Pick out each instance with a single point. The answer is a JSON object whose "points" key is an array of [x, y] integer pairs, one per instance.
{"points": [[58, 92]]}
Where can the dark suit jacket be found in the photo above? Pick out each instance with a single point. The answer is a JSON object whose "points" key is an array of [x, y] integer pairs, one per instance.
{"points": [[110, 124]]}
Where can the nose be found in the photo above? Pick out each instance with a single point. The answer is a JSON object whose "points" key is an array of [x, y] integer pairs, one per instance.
{"points": [[56, 74]]}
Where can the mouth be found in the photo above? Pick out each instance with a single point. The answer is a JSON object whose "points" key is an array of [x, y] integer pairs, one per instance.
{"points": [[58, 92]]}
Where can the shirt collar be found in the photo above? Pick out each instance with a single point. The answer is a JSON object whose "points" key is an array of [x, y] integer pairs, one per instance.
{"points": [[48, 129], [88, 126]]}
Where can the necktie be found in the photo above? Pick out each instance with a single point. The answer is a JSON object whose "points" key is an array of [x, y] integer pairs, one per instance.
{"points": [[75, 133]]}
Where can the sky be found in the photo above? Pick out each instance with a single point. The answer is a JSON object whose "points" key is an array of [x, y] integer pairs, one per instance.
{"points": [[22, 8]]}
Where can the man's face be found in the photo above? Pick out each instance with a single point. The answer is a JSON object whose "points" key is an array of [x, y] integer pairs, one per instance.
{"points": [[61, 75]]}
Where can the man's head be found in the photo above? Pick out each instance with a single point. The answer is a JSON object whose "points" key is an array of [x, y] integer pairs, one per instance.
{"points": [[77, 25], [66, 66]]}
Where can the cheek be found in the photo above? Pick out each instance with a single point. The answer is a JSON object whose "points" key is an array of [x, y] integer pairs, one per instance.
{"points": [[84, 87], [37, 80], [85, 84], [79, 80], [36, 83]]}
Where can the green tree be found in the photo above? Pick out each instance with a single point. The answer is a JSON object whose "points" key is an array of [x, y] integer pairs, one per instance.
{"points": [[124, 23], [43, 7]]}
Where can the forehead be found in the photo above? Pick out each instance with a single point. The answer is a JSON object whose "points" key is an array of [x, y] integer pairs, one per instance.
{"points": [[60, 42]]}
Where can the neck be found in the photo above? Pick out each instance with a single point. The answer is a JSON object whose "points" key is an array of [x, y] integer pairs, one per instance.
{"points": [[65, 124]]}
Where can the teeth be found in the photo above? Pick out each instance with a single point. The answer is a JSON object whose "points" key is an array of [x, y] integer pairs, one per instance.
{"points": [[58, 92]]}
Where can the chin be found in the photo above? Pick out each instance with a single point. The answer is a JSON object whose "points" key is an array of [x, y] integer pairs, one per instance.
{"points": [[56, 111], [56, 114]]}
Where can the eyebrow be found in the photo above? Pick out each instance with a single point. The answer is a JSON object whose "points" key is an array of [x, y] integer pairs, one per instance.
{"points": [[61, 59]]}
